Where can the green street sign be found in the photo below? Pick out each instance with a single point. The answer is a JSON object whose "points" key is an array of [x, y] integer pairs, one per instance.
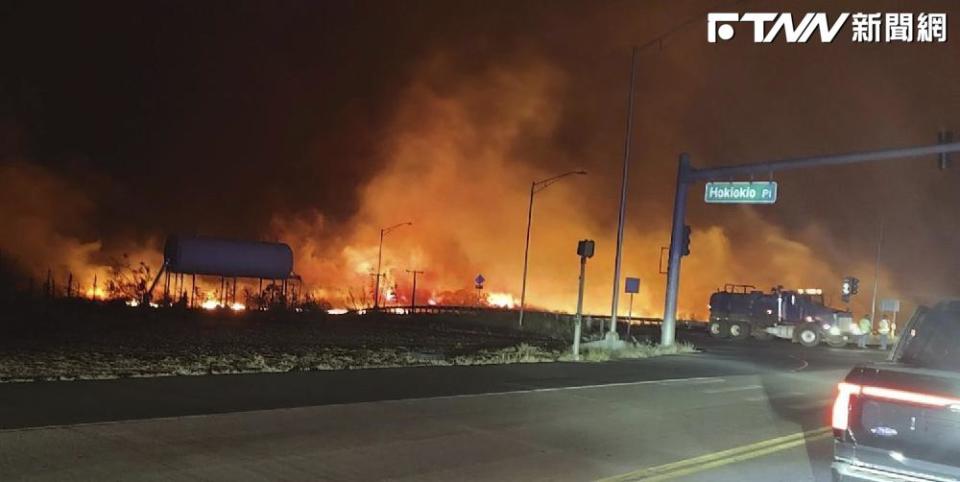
{"points": [[760, 192]]}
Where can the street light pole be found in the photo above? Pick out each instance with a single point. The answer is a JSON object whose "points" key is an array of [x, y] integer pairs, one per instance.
{"points": [[876, 275], [376, 289], [526, 255], [623, 197], [535, 187]]}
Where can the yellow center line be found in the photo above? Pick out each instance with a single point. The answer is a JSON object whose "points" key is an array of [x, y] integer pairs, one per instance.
{"points": [[723, 457]]}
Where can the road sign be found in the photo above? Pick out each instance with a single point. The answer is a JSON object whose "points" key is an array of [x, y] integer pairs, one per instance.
{"points": [[760, 192], [632, 285], [479, 281], [890, 305]]}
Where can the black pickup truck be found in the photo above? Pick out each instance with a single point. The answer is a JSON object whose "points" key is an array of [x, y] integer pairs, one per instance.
{"points": [[899, 420]]}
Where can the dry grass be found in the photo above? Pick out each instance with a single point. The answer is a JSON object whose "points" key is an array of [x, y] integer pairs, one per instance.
{"points": [[525, 353], [522, 353], [636, 351], [104, 342], [85, 366]]}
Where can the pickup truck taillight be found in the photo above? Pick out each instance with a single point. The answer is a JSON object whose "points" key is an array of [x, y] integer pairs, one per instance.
{"points": [[841, 406]]}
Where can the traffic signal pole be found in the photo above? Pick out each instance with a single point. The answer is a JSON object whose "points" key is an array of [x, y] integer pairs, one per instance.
{"points": [[687, 175], [669, 326]]}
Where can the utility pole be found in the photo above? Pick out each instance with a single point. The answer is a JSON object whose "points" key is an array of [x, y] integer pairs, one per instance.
{"points": [[376, 289], [413, 294], [876, 274], [687, 175], [373, 280], [535, 187], [376, 284], [623, 197]]}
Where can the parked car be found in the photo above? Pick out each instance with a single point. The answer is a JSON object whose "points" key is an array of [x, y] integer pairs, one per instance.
{"points": [[899, 420]]}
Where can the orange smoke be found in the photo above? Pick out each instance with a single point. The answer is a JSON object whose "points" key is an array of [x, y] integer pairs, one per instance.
{"points": [[455, 165], [458, 162]]}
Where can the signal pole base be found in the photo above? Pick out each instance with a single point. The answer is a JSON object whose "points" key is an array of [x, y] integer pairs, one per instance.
{"points": [[609, 343]]}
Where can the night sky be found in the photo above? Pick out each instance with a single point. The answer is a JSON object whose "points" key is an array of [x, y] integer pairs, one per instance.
{"points": [[147, 118]]}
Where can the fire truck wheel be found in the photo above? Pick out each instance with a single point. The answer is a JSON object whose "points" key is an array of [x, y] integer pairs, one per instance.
{"points": [[739, 331], [808, 335], [718, 329]]}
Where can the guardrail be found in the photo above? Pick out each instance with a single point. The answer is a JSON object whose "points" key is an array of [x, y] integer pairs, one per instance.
{"points": [[478, 310]]}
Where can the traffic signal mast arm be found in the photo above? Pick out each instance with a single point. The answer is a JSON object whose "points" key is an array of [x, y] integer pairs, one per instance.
{"points": [[687, 175], [726, 172]]}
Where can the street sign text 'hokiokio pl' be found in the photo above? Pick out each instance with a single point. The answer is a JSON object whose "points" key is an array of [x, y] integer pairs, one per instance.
{"points": [[760, 192]]}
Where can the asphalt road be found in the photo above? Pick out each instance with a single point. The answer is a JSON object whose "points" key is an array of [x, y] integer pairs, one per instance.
{"points": [[736, 411]]}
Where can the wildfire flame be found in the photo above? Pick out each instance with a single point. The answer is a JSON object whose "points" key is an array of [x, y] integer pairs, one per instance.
{"points": [[96, 294], [501, 300]]}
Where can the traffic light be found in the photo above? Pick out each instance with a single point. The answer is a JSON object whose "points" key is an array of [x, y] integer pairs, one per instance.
{"points": [[849, 287], [585, 248], [685, 243]]}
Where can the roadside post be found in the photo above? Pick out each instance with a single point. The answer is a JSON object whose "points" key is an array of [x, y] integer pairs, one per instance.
{"points": [[584, 250], [632, 287], [891, 306], [478, 284]]}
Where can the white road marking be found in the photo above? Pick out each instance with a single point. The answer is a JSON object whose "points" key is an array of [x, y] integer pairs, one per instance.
{"points": [[671, 381], [693, 381], [805, 363], [733, 389], [665, 382]]}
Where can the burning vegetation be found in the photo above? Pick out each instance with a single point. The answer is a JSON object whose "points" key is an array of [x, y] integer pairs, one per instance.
{"points": [[452, 162], [451, 142]]}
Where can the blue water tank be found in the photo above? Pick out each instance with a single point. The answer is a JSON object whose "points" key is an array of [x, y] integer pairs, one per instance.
{"points": [[229, 258]]}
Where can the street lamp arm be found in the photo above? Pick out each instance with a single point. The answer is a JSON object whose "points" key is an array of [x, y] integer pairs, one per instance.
{"points": [[395, 226], [544, 183]]}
